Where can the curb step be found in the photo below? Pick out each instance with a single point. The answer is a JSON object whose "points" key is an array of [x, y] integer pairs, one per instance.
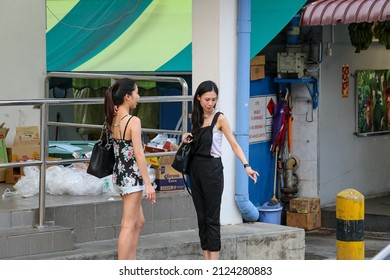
{"points": [[239, 242], [28, 241]]}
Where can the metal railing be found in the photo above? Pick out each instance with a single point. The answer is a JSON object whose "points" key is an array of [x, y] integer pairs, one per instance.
{"points": [[43, 105], [384, 254]]}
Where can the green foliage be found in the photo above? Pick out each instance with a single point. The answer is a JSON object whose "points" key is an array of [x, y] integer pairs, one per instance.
{"points": [[360, 34]]}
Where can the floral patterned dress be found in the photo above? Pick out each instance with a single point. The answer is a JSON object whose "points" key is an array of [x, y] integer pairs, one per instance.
{"points": [[126, 176]]}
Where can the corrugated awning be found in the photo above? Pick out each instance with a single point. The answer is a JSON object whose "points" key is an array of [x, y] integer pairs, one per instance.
{"points": [[330, 12]]}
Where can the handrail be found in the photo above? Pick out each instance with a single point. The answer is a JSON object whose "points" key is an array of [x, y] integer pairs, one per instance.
{"points": [[384, 254], [44, 103]]}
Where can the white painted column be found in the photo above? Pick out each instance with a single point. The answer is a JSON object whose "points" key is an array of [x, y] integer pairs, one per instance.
{"points": [[214, 57]]}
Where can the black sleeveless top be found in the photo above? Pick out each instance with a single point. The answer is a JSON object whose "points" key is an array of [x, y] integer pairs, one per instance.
{"points": [[126, 173], [203, 139]]}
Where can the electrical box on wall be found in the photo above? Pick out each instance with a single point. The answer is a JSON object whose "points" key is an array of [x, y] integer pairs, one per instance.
{"points": [[291, 64]]}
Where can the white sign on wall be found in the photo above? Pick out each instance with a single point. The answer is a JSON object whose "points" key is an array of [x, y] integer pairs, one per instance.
{"points": [[260, 123]]}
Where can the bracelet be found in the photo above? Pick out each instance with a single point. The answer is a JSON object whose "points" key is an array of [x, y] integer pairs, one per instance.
{"points": [[246, 165]]}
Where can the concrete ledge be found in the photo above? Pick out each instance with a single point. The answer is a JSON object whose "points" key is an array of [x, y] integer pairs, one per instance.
{"points": [[249, 241], [27, 241]]}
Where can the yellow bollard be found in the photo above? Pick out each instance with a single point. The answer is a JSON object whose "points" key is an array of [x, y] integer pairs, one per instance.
{"points": [[350, 225]]}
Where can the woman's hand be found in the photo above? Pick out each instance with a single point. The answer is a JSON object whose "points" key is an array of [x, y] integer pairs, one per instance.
{"points": [[252, 174], [150, 194], [187, 138]]}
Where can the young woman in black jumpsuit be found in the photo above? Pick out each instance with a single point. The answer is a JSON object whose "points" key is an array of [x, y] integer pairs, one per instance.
{"points": [[206, 169]]}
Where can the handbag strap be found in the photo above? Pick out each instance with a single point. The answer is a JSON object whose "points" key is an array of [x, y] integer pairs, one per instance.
{"points": [[185, 183], [105, 132]]}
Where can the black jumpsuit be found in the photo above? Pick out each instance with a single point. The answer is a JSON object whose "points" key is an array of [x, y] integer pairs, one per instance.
{"points": [[206, 179]]}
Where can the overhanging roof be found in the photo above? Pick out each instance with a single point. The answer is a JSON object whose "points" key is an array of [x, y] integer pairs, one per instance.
{"points": [[331, 12]]}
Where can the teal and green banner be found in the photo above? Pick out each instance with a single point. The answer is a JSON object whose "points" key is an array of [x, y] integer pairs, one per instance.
{"points": [[140, 35]]}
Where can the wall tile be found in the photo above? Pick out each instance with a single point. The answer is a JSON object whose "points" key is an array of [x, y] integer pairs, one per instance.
{"points": [[65, 216], [5, 220], [41, 243], [85, 216], [105, 214], [18, 246]]}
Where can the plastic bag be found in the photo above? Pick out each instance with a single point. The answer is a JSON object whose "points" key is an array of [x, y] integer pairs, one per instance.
{"points": [[71, 181], [28, 185], [152, 173], [7, 192], [108, 186], [158, 141]]}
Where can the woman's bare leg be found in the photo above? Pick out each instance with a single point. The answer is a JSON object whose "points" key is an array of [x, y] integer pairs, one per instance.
{"points": [[211, 255], [131, 226]]}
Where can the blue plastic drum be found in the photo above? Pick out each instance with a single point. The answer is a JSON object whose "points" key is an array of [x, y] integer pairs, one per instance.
{"points": [[293, 31]]}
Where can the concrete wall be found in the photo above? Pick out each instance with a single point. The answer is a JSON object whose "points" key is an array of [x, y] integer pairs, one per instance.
{"points": [[345, 160], [22, 60], [305, 141]]}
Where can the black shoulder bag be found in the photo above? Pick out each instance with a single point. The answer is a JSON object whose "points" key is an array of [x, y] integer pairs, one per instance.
{"points": [[102, 159], [181, 162]]}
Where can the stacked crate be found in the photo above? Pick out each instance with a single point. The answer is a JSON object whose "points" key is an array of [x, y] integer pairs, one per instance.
{"points": [[257, 67], [304, 212]]}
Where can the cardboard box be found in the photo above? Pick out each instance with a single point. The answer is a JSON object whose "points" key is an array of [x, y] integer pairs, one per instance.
{"points": [[23, 153], [27, 135], [168, 179], [257, 67], [12, 175], [3, 159], [258, 60], [307, 221], [257, 72], [158, 161], [304, 205]]}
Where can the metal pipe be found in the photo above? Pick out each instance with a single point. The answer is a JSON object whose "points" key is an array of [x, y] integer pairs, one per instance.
{"points": [[248, 210], [384, 254], [42, 174], [99, 127], [74, 101]]}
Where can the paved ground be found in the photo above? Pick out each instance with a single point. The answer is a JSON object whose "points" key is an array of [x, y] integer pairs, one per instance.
{"points": [[321, 244]]}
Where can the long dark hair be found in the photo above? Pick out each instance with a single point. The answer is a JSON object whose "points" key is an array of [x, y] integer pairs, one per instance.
{"points": [[115, 95], [197, 111]]}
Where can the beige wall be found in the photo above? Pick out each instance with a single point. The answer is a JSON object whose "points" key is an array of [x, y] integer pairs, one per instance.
{"points": [[22, 60]]}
